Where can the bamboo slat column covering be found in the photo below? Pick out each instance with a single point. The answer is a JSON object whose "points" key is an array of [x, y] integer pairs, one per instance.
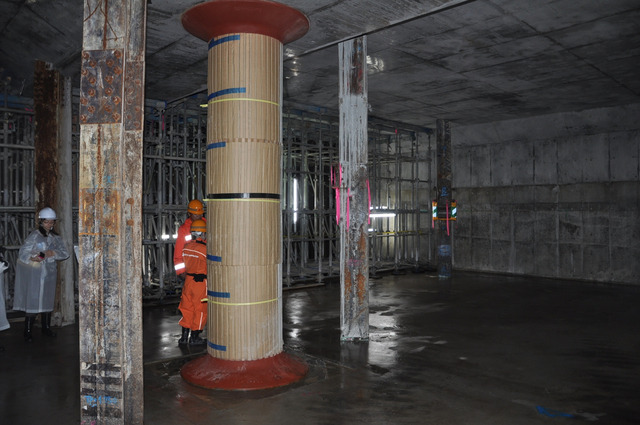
{"points": [[244, 150]]}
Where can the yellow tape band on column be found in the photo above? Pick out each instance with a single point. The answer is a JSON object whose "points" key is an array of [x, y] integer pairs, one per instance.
{"points": [[253, 303], [246, 99]]}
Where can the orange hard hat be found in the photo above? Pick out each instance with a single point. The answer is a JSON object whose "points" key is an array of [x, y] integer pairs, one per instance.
{"points": [[195, 207], [199, 226]]}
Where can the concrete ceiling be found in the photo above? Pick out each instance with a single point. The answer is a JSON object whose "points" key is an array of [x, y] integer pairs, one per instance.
{"points": [[468, 61]]}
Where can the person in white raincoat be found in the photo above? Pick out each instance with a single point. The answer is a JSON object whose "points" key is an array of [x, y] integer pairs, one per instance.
{"points": [[4, 323], [36, 272]]}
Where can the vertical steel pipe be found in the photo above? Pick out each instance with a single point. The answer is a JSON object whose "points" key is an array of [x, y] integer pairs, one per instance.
{"points": [[244, 172]]}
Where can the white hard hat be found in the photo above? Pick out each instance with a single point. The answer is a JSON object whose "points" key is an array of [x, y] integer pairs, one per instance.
{"points": [[47, 214]]}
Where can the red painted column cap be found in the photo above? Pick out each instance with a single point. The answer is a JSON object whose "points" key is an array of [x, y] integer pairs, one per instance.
{"points": [[218, 17]]}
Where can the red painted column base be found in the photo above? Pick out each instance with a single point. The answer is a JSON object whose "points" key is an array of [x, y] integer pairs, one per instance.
{"points": [[213, 373]]}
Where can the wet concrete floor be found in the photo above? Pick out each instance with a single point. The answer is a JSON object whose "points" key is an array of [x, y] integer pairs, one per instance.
{"points": [[476, 350]]}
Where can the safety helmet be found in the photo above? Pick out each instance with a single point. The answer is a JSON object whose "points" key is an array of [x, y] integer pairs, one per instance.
{"points": [[195, 207], [199, 226], [47, 214]]}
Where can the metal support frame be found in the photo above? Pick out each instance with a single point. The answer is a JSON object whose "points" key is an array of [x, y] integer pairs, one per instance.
{"points": [[174, 167], [174, 159]]}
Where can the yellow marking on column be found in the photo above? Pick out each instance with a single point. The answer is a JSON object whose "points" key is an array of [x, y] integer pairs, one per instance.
{"points": [[254, 303], [244, 98]]}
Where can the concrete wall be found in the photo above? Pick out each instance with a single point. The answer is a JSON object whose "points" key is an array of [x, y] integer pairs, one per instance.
{"points": [[555, 195]]}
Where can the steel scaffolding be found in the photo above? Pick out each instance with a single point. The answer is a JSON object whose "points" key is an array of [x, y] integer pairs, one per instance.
{"points": [[400, 174], [16, 181], [174, 169]]}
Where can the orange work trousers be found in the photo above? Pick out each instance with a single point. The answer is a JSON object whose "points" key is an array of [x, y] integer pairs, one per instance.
{"points": [[194, 311]]}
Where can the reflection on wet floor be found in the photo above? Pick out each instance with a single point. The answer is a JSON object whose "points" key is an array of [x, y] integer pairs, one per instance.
{"points": [[478, 349]]}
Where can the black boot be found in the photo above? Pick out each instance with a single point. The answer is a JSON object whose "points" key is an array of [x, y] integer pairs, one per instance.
{"points": [[184, 339], [28, 325], [46, 327], [196, 340]]}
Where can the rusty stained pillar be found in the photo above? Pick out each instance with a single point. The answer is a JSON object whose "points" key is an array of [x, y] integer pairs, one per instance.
{"points": [[53, 179], [110, 206], [46, 99], [65, 306], [244, 173], [443, 184], [354, 193]]}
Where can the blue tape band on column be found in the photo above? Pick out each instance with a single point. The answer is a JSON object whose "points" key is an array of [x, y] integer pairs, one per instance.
{"points": [[219, 294], [214, 43], [216, 346], [214, 258], [227, 91], [216, 145]]}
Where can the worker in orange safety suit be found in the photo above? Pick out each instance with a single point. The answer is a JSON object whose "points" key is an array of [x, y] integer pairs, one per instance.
{"points": [[193, 303], [195, 211]]}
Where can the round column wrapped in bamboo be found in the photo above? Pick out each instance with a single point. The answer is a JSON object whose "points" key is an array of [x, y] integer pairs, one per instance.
{"points": [[244, 228], [243, 201]]}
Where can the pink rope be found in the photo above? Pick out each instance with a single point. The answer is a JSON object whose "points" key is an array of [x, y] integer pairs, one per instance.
{"points": [[348, 196], [369, 204], [337, 208]]}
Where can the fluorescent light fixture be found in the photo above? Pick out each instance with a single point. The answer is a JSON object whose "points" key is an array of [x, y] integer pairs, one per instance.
{"points": [[380, 215]]}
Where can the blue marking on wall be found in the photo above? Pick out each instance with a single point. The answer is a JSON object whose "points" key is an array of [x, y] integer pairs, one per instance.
{"points": [[101, 399], [214, 258], [553, 413]]}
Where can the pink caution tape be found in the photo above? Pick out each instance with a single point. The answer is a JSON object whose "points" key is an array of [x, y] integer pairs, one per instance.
{"points": [[369, 203]]}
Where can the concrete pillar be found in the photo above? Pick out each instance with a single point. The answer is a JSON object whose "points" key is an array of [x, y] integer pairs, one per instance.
{"points": [[244, 173], [444, 178], [65, 309], [110, 212], [354, 190], [53, 179], [46, 97]]}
